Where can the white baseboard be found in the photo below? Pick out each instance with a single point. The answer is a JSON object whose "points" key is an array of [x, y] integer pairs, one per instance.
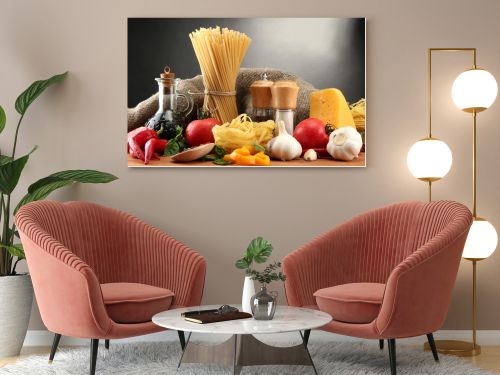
{"points": [[484, 337]]}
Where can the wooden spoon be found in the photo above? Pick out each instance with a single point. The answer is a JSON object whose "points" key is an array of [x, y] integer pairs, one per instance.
{"points": [[192, 154]]}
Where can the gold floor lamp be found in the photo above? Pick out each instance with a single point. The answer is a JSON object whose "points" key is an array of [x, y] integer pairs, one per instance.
{"points": [[430, 159]]}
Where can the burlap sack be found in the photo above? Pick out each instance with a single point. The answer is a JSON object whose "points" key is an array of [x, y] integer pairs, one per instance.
{"points": [[144, 110]]}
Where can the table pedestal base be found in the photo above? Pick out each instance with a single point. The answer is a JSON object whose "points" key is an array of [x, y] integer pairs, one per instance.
{"points": [[246, 350]]}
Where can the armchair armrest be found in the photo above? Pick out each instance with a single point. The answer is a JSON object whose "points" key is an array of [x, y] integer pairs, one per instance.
{"points": [[419, 289], [67, 290]]}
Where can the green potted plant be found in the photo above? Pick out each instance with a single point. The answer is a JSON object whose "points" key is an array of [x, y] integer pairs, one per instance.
{"points": [[16, 291], [263, 303], [259, 250]]}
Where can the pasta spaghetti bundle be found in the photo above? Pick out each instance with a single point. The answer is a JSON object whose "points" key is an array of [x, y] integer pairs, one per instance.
{"points": [[220, 53]]}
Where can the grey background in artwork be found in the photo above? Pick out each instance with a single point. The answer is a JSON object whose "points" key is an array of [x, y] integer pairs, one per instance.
{"points": [[327, 52]]}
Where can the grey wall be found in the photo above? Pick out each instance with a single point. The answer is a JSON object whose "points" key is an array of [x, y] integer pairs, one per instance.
{"points": [[327, 52], [80, 124]]}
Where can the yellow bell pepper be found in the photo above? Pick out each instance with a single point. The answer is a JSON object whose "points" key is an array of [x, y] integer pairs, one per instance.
{"points": [[248, 156]]}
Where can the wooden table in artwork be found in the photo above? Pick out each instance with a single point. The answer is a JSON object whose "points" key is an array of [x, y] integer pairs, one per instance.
{"points": [[242, 348], [166, 162]]}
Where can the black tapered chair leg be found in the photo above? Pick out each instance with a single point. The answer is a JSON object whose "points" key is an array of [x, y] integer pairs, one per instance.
{"points": [[381, 344], [432, 344], [392, 355], [106, 344], [307, 333], [94, 346], [182, 339], [55, 344]]}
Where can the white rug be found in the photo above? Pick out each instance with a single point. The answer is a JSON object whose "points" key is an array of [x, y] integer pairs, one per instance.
{"points": [[161, 358]]}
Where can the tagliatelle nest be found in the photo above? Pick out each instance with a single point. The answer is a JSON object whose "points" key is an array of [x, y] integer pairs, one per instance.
{"points": [[242, 131]]}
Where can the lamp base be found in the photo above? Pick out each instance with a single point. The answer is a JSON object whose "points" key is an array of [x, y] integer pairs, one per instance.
{"points": [[456, 348]]}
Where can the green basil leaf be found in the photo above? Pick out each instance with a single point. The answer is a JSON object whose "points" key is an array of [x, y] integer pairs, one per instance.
{"points": [[29, 95], [259, 147], [182, 144], [222, 162], [3, 119], [219, 151], [172, 148]]}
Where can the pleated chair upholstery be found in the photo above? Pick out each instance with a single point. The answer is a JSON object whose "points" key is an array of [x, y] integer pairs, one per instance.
{"points": [[74, 247], [413, 249]]}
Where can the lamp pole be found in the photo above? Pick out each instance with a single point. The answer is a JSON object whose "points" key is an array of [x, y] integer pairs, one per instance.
{"points": [[454, 347], [430, 180]]}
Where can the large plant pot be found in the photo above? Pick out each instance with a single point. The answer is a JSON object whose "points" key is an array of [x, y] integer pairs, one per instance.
{"points": [[16, 298]]}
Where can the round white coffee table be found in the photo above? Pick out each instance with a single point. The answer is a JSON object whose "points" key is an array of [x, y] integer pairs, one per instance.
{"points": [[242, 348]]}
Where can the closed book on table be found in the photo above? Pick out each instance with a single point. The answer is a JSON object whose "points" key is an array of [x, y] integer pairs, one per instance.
{"points": [[212, 317]]}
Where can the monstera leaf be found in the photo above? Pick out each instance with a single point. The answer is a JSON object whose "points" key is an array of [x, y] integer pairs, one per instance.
{"points": [[258, 250]]}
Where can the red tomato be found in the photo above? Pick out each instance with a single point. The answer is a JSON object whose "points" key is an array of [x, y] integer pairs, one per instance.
{"points": [[199, 132], [311, 133]]}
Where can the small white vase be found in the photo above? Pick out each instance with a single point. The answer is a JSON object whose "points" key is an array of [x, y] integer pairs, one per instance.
{"points": [[248, 292]]}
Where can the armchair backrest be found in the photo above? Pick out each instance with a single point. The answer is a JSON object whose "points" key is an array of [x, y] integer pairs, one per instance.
{"points": [[387, 236], [95, 234], [368, 247], [379, 242]]}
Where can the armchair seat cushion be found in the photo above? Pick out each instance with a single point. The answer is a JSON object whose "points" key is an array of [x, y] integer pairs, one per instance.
{"points": [[135, 303], [351, 303]]}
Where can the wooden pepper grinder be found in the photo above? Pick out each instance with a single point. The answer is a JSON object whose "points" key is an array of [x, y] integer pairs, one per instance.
{"points": [[262, 99]]}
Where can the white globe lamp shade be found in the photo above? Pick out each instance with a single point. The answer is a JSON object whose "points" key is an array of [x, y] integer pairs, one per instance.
{"points": [[474, 90], [481, 241], [429, 159]]}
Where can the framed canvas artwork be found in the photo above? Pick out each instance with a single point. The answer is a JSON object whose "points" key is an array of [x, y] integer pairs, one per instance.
{"points": [[246, 92]]}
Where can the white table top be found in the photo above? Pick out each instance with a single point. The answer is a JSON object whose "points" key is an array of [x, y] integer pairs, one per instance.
{"points": [[286, 319]]}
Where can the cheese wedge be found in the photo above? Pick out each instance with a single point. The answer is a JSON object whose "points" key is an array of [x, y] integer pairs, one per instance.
{"points": [[330, 106]]}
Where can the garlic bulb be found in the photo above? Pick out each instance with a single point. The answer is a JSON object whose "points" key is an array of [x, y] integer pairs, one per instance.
{"points": [[284, 146], [310, 155], [345, 143]]}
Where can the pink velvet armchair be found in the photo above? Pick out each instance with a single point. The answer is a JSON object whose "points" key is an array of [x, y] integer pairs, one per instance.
{"points": [[99, 273], [385, 274]]}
